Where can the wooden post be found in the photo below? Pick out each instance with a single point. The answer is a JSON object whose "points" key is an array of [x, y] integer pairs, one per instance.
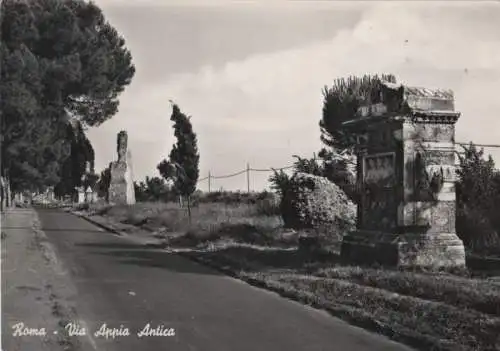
{"points": [[248, 177], [209, 181]]}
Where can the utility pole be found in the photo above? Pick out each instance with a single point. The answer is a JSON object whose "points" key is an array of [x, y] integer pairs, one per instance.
{"points": [[248, 177], [209, 176]]}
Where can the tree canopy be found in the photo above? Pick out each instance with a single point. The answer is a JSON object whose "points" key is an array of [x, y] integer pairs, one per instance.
{"points": [[341, 102], [60, 59], [103, 183]]}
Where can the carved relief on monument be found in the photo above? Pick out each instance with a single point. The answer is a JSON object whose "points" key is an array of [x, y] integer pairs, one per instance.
{"points": [[379, 169], [443, 217], [440, 157], [445, 171], [428, 178], [379, 175], [379, 209], [435, 132]]}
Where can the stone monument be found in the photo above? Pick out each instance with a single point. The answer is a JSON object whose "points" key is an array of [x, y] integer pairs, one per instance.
{"points": [[406, 179], [50, 194], [89, 195], [121, 186], [80, 191]]}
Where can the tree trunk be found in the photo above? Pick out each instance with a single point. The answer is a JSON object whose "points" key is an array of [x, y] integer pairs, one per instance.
{"points": [[189, 208], [6, 193], [2, 193], [9, 194]]}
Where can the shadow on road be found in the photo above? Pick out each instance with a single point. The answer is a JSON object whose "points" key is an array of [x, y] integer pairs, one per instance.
{"points": [[45, 229], [112, 245], [10, 227], [144, 256], [247, 258], [254, 259]]}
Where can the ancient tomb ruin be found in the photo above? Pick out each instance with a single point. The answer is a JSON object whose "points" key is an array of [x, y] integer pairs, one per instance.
{"points": [[121, 187], [406, 175]]}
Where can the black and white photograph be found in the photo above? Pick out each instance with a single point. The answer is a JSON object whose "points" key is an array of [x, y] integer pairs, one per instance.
{"points": [[229, 175]]}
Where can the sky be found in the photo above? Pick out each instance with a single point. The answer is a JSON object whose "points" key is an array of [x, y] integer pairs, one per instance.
{"points": [[251, 74]]}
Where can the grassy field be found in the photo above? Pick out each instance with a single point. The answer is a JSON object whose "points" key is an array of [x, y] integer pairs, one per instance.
{"points": [[210, 222], [428, 310]]}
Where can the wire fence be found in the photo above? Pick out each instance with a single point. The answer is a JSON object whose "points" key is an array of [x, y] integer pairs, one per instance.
{"points": [[249, 169]]}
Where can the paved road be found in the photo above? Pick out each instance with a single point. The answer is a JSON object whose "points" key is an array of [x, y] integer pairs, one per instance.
{"points": [[122, 283]]}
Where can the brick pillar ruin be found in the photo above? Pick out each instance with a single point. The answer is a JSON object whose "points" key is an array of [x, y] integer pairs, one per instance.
{"points": [[121, 188], [406, 175]]}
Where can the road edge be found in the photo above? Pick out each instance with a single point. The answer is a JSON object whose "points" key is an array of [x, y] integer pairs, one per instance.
{"points": [[100, 225], [60, 310]]}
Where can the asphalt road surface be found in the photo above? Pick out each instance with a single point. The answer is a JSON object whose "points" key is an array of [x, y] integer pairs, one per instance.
{"points": [[120, 283]]}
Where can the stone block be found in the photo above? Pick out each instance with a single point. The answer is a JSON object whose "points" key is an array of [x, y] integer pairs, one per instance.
{"points": [[442, 250]]}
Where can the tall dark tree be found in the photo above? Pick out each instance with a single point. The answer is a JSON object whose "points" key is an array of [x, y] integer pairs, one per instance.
{"points": [[104, 182], [59, 58], [73, 171], [183, 164], [140, 190], [340, 104]]}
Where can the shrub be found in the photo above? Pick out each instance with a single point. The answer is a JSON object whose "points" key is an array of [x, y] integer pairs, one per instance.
{"points": [[477, 231], [153, 189], [478, 198], [234, 197], [313, 202]]}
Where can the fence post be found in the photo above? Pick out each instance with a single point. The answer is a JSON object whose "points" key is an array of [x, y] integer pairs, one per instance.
{"points": [[248, 177], [209, 181]]}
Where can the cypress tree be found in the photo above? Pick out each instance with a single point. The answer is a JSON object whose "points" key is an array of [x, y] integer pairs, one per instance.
{"points": [[182, 167]]}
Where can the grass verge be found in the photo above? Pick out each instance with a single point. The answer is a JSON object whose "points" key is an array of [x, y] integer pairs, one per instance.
{"points": [[419, 322]]}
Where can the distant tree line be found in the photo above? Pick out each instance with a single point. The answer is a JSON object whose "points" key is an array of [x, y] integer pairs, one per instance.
{"points": [[154, 189]]}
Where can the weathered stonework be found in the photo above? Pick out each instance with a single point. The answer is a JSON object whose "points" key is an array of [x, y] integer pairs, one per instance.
{"points": [[121, 187], [406, 173], [435, 132]]}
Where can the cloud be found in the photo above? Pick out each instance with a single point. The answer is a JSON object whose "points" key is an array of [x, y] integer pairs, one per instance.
{"points": [[267, 107]]}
